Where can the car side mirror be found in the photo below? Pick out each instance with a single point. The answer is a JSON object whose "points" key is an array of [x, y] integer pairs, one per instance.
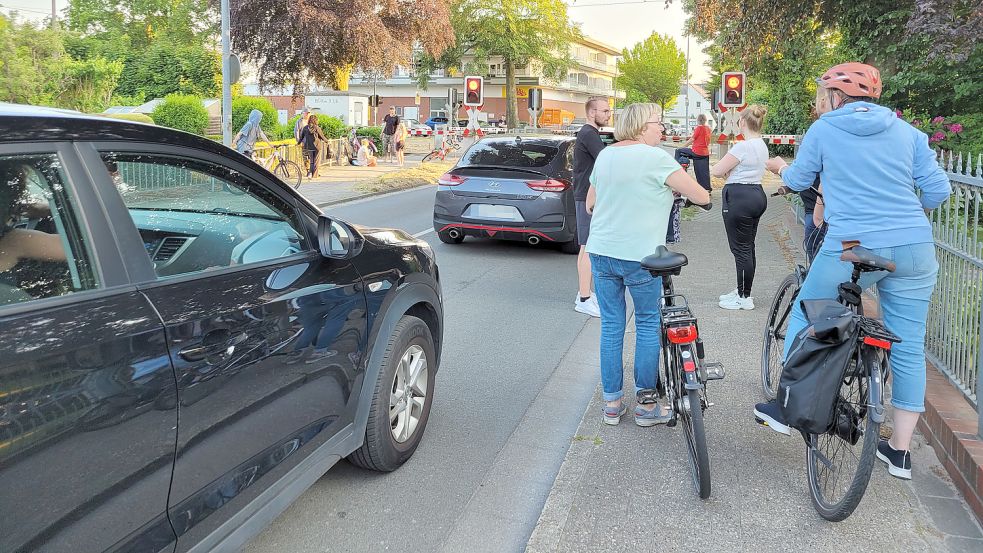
{"points": [[336, 239]]}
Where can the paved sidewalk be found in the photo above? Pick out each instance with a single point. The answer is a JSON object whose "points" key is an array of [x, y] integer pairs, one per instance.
{"points": [[337, 183], [625, 488]]}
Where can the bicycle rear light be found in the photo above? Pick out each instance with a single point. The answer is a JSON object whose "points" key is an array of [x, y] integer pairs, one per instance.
{"points": [[877, 343], [448, 179], [682, 334]]}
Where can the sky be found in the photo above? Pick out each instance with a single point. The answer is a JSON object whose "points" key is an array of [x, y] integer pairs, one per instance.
{"points": [[620, 23]]}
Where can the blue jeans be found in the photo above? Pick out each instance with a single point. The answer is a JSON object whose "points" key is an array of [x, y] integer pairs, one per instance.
{"points": [[904, 298], [611, 277]]}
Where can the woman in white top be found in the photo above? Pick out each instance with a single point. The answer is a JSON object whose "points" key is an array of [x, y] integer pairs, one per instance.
{"points": [[630, 197], [744, 201]]}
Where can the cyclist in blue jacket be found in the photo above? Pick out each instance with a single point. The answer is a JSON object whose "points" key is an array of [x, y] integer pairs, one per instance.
{"points": [[873, 166]]}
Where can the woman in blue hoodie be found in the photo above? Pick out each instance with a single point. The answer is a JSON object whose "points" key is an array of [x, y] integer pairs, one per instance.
{"points": [[872, 165], [245, 140]]}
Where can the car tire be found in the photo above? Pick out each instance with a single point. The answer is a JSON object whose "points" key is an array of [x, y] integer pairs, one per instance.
{"points": [[383, 451], [446, 238], [571, 247]]}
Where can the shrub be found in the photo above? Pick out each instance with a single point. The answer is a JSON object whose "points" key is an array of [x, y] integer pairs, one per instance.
{"points": [[138, 117], [185, 113], [333, 127], [958, 133], [375, 133], [243, 105]]}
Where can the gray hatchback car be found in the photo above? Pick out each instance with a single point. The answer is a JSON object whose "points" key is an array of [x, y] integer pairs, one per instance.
{"points": [[510, 188]]}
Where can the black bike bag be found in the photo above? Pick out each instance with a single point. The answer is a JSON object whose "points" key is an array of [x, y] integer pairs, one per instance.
{"points": [[817, 361]]}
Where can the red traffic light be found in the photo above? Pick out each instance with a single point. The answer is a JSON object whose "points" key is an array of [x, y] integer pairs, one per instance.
{"points": [[474, 94], [733, 85]]}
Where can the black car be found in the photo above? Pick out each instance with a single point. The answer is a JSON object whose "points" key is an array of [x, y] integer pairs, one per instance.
{"points": [[186, 344]]}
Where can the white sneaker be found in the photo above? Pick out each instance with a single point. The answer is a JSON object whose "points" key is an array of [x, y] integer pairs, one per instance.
{"points": [[588, 307], [729, 295], [736, 303]]}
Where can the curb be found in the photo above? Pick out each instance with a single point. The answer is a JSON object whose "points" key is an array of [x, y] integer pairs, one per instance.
{"points": [[368, 195]]}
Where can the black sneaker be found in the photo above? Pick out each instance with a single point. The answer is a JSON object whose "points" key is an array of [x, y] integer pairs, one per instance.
{"points": [[770, 415], [898, 460]]}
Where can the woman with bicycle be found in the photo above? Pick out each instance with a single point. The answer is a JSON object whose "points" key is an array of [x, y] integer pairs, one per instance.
{"points": [[311, 137], [630, 197], [872, 166]]}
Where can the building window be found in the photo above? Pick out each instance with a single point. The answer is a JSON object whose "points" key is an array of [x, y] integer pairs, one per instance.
{"points": [[697, 103]]}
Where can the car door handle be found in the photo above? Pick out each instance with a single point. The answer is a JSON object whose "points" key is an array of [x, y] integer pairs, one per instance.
{"points": [[212, 345]]}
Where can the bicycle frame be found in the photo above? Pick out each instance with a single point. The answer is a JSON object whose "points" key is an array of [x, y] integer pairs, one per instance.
{"points": [[675, 313]]}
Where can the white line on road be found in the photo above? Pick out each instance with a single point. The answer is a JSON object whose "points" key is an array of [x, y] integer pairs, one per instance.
{"points": [[423, 233]]}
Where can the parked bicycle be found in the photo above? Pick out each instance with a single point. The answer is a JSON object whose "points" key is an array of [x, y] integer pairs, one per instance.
{"points": [[288, 171], [449, 143], [840, 459], [686, 371]]}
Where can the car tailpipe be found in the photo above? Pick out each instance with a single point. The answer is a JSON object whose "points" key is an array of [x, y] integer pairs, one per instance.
{"points": [[454, 233], [533, 240]]}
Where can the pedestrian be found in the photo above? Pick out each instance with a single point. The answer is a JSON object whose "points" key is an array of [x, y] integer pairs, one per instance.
{"points": [[630, 197], [365, 157], [391, 121], [744, 201], [301, 123], [699, 155], [879, 177], [245, 140], [311, 138], [585, 151], [401, 135]]}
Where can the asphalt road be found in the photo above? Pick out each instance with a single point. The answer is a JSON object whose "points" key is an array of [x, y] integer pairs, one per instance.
{"points": [[509, 325]]}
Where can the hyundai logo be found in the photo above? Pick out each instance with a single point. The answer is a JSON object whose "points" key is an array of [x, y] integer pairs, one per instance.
{"points": [[494, 185]]}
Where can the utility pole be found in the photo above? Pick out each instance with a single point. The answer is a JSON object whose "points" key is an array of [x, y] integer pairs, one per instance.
{"points": [[226, 77], [54, 15]]}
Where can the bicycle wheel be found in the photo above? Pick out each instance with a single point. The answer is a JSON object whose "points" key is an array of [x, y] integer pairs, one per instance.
{"points": [[289, 172], [696, 441], [773, 345], [839, 462], [428, 157]]}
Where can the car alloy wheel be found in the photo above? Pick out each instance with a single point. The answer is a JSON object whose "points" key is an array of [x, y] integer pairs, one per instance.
{"points": [[409, 393]]}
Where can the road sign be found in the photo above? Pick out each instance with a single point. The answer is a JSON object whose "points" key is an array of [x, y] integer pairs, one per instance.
{"points": [[536, 99]]}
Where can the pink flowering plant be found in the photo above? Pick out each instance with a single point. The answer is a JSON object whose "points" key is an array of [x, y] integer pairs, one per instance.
{"points": [[960, 133]]}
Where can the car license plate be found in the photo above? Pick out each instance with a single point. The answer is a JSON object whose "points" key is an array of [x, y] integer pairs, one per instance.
{"points": [[503, 212]]}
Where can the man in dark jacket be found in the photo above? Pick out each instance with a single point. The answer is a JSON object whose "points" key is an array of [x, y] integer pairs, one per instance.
{"points": [[588, 145]]}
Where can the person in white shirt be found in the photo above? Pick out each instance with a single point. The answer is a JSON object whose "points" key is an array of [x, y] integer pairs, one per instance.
{"points": [[744, 201]]}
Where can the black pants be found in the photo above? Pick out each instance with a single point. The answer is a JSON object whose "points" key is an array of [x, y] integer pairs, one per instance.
{"points": [[312, 157], [744, 204], [701, 165]]}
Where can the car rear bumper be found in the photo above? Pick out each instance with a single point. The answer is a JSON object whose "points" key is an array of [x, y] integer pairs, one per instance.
{"points": [[564, 232]]}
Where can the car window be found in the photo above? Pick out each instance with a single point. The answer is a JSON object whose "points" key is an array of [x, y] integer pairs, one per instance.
{"points": [[43, 254], [510, 154], [194, 216]]}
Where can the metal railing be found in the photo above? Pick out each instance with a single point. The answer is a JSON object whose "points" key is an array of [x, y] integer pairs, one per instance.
{"points": [[955, 319]]}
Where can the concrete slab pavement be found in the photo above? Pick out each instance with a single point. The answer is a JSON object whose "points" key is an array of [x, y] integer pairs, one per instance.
{"points": [[628, 488]]}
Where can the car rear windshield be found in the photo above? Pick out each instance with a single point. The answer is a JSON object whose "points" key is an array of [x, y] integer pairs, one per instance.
{"points": [[510, 154]]}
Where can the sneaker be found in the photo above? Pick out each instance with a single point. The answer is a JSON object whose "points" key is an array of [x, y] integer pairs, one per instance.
{"points": [[612, 415], [645, 417], [588, 307], [729, 295], [898, 460], [770, 415], [736, 303]]}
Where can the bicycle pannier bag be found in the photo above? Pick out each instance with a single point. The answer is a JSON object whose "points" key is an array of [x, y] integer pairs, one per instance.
{"points": [[816, 364]]}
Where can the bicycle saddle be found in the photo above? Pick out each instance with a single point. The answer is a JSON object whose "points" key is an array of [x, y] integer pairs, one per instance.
{"points": [[664, 262], [866, 260]]}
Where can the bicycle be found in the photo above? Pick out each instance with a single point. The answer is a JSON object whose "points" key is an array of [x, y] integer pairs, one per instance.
{"points": [[773, 345], [859, 406], [449, 143], [288, 171], [686, 370]]}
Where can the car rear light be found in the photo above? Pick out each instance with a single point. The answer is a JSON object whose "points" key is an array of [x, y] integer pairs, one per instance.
{"points": [[448, 179], [877, 343], [681, 334], [548, 185]]}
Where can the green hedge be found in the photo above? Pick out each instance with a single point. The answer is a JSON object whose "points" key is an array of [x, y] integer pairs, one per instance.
{"points": [[958, 133], [182, 112], [333, 127], [138, 117], [375, 133], [243, 105]]}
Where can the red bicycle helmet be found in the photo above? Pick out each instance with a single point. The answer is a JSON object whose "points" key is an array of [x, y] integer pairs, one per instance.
{"points": [[854, 79]]}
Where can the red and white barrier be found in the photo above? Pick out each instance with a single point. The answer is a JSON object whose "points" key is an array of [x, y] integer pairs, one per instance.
{"points": [[789, 139], [453, 130]]}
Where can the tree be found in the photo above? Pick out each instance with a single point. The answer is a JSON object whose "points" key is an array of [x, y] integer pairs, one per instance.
{"points": [[143, 22], [297, 42], [654, 68], [521, 32]]}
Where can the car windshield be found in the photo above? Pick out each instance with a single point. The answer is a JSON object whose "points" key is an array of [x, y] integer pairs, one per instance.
{"points": [[510, 154]]}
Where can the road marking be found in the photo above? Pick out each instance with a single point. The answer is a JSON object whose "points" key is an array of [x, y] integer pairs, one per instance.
{"points": [[423, 233]]}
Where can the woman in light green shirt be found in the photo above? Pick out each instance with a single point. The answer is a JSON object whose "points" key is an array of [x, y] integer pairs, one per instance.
{"points": [[630, 198]]}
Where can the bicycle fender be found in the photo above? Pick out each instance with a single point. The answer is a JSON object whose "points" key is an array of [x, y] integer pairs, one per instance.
{"points": [[871, 360], [692, 383]]}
